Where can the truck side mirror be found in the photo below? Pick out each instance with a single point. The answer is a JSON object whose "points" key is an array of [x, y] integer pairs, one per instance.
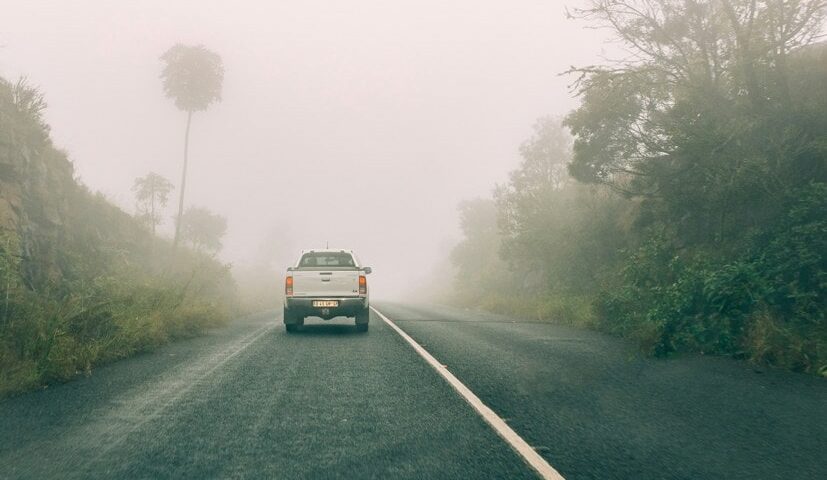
{"points": [[367, 270]]}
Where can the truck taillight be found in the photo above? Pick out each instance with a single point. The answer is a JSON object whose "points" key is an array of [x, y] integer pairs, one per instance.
{"points": [[363, 285], [288, 286]]}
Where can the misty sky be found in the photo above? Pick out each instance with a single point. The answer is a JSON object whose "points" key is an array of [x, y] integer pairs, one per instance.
{"points": [[361, 123]]}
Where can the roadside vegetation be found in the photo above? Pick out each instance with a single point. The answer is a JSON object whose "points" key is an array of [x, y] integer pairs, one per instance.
{"points": [[684, 203], [81, 281]]}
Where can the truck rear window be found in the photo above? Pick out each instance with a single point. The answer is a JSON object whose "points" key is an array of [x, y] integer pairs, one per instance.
{"points": [[327, 259]]}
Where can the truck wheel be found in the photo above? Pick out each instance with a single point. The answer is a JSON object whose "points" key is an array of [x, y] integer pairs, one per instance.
{"points": [[362, 319], [291, 322]]}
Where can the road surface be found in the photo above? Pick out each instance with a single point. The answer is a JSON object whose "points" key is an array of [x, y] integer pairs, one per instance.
{"points": [[250, 401]]}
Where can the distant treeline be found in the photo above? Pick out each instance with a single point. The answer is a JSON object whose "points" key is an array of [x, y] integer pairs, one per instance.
{"points": [[81, 281], [684, 203]]}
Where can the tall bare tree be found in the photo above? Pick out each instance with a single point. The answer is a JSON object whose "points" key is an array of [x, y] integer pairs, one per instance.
{"points": [[192, 77]]}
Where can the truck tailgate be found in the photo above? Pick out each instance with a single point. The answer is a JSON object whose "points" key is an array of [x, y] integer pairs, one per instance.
{"points": [[325, 283]]}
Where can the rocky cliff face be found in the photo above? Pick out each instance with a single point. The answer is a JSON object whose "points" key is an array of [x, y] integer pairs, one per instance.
{"points": [[36, 181]]}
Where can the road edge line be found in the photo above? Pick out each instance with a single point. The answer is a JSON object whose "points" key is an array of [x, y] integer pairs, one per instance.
{"points": [[515, 441]]}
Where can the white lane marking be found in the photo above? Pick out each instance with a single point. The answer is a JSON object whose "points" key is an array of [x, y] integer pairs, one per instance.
{"points": [[538, 463]]}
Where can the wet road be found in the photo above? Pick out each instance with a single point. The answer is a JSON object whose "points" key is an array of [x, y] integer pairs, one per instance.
{"points": [[250, 401]]}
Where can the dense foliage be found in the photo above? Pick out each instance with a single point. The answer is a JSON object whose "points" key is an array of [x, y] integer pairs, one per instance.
{"points": [[81, 281], [202, 229], [697, 215], [192, 76]]}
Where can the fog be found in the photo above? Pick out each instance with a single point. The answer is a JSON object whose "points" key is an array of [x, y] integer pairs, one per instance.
{"points": [[356, 124]]}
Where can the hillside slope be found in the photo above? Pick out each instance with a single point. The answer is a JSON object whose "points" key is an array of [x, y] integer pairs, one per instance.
{"points": [[81, 281]]}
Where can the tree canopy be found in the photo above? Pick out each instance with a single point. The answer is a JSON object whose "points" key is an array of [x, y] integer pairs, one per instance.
{"points": [[697, 218], [702, 115], [192, 76], [203, 229]]}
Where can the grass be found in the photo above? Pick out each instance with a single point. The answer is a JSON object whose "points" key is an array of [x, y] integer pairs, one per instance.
{"points": [[47, 338], [768, 340], [561, 309]]}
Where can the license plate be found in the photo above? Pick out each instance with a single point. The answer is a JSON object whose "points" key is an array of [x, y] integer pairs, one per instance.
{"points": [[325, 303]]}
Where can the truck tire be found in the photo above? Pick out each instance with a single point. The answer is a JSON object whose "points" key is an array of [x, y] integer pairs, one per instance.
{"points": [[362, 319], [291, 322]]}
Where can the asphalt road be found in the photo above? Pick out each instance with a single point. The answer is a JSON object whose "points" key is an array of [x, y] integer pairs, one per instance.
{"points": [[597, 410], [250, 401]]}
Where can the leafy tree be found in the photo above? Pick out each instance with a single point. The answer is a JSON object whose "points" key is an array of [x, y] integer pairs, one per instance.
{"points": [[711, 136], [543, 171], [192, 77], [700, 120], [203, 229], [550, 233], [715, 124], [480, 271], [151, 193]]}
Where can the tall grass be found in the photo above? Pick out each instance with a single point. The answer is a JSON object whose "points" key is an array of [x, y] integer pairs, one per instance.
{"points": [[562, 308], [51, 337]]}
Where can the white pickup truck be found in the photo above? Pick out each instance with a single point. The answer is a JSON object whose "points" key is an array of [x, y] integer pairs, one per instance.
{"points": [[326, 284]]}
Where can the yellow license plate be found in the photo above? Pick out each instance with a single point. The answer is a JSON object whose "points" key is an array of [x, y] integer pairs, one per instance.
{"points": [[325, 303]]}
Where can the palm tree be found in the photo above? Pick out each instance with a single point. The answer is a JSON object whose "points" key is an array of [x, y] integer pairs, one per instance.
{"points": [[192, 76]]}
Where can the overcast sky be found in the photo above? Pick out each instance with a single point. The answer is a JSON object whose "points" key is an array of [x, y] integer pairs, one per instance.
{"points": [[359, 123]]}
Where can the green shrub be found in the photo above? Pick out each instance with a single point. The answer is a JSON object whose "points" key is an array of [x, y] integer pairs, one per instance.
{"points": [[767, 304], [55, 339]]}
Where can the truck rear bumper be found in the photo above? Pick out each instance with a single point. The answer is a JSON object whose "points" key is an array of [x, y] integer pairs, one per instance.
{"points": [[348, 307]]}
